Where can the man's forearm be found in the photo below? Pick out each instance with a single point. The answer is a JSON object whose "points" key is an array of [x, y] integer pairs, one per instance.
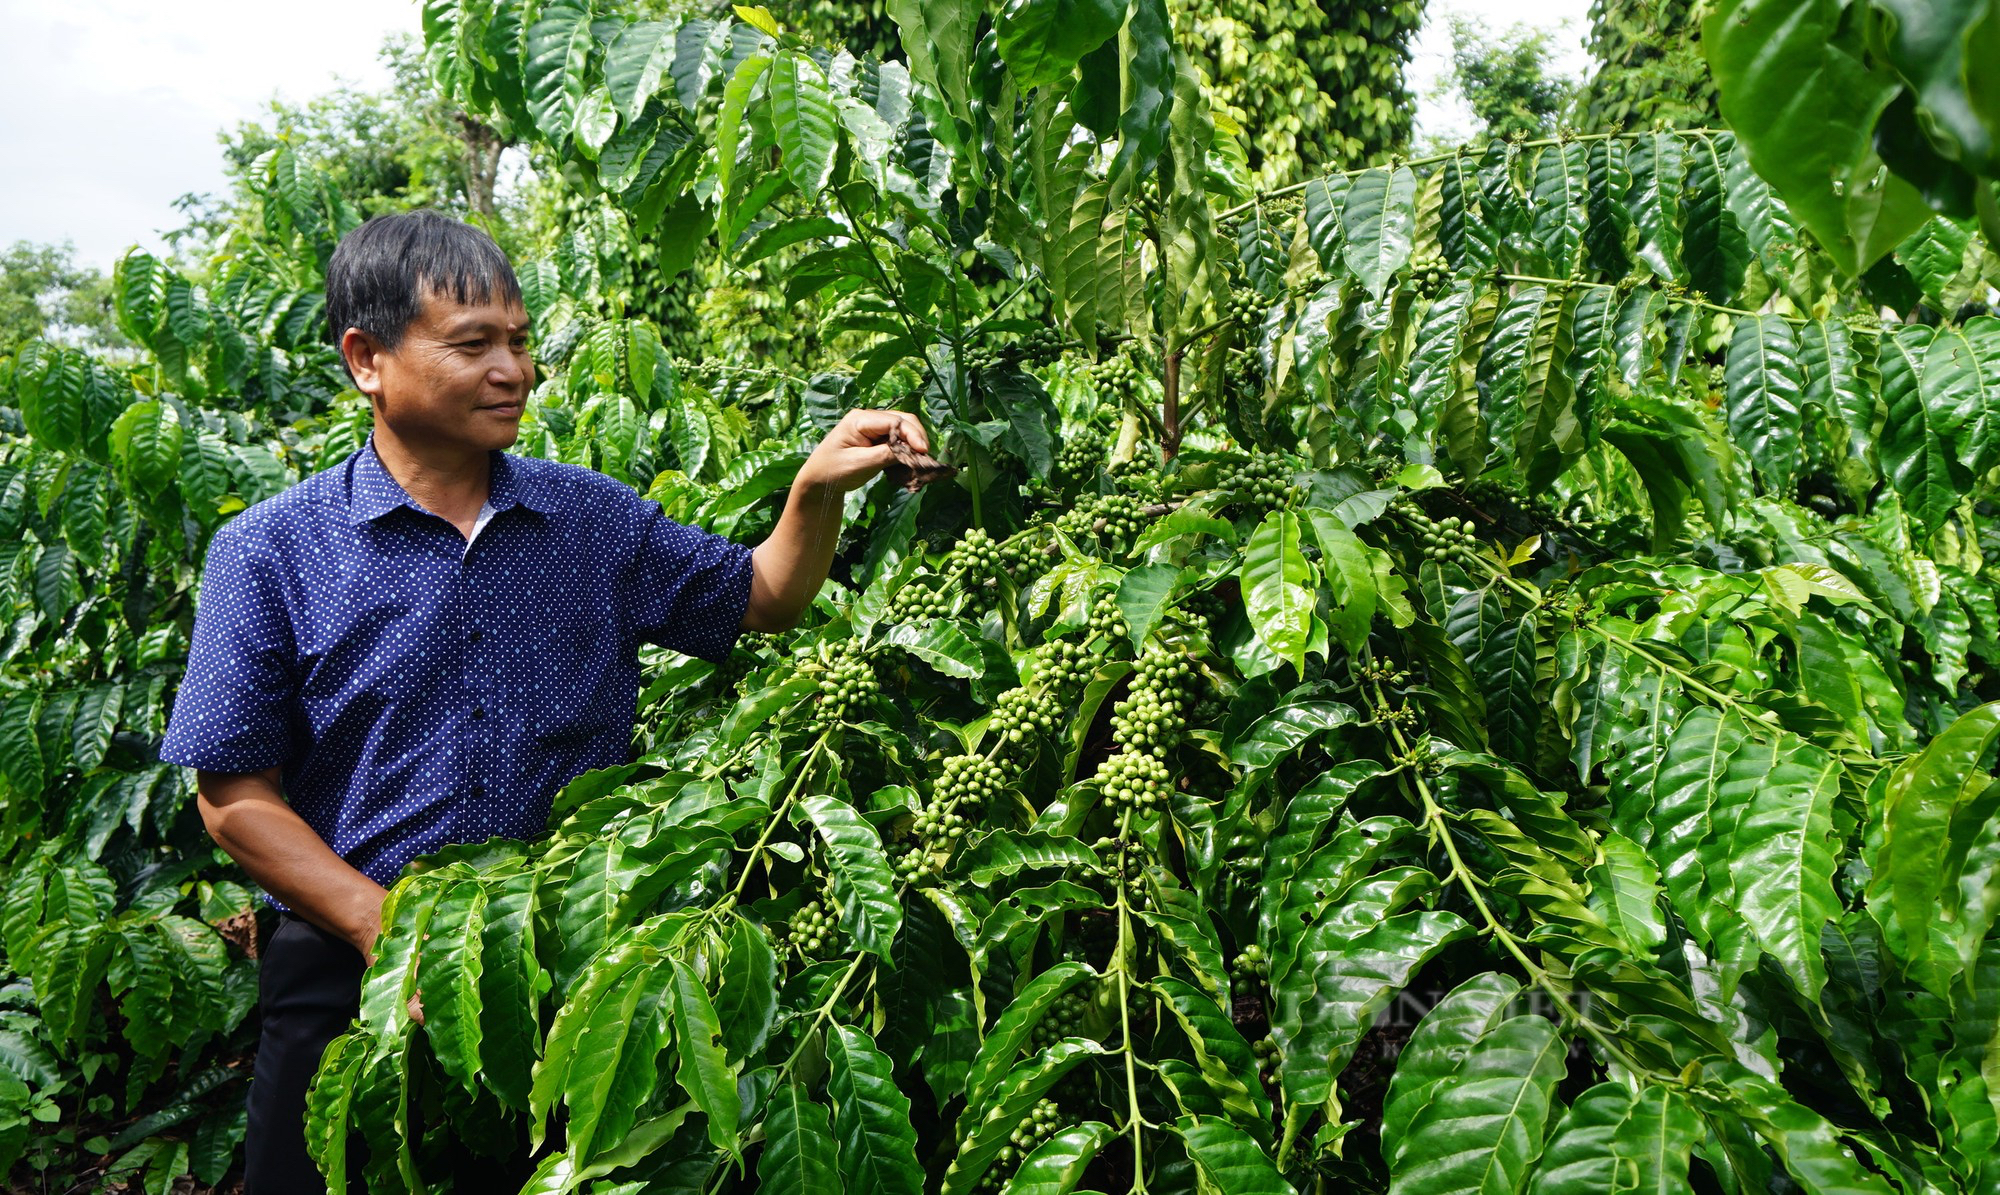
{"points": [[248, 817], [788, 569]]}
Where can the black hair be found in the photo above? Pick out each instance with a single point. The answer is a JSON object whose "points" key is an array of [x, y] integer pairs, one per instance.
{"points": [[380, 271]]}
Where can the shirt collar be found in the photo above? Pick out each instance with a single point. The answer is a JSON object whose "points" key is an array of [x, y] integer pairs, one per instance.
{"points": [[374, 493]]}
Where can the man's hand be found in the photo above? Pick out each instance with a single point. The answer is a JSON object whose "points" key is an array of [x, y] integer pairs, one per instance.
{"points": [[857, 449]]}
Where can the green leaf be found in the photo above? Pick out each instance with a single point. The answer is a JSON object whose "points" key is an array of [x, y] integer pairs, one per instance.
{"points": [[448, 976], [943, 645], [799, 1150], [1915, 446], [1028, 1083], [998, 854], [1041, 41], [1226, 1061], [1280, 733], [1769, 854], [871, 1118], [1765, 387], [1230, 1162], [1804, 109], [1142, 598], [1612, 1140], [864, 885], [558, 48], [1659, 170], [704, 1071], [1558, 202], [1625, 891], [1961, 381], [1436, 1049], [1015, 1029], [1378, 219], [1057, 1165], [1715, 249], [806, 121], [1931, 807], [510, 979], [746, 997], [1278, 587], [146, 447], [638, 64], [1482, 1127], [1838, 382], [20, 747], [330, 1102], [1345, 976], [1350, 569]]}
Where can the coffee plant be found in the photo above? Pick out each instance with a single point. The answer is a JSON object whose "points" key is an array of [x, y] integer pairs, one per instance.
{"points": [[1466, 674]]}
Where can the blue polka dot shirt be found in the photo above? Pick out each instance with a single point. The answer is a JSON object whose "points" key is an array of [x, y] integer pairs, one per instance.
{"points": [[418, 690]]}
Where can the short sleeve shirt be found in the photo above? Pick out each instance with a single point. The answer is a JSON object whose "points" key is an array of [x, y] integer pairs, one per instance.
{"points": [[418, 690]]}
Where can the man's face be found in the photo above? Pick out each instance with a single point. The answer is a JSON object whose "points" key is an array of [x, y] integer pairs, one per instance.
{"points": [[460, 377]]}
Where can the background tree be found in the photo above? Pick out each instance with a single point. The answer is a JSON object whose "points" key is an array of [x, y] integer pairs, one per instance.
{"points": [[1506, 79], [1650, 69], [44, 292]]}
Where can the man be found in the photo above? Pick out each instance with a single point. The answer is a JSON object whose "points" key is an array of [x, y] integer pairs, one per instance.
{"points": [[421, 645]]}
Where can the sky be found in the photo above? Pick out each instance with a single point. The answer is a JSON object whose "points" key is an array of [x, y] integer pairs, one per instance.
{"points": [[112, 106]]}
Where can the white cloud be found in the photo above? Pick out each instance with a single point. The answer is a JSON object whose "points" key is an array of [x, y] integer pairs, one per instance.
{"points": [[113, 106]]}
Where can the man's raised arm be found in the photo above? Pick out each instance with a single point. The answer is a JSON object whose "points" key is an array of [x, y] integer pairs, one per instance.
{"points": [[788, 569]]}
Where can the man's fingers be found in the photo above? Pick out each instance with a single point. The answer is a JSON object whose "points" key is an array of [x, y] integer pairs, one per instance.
{"points": [[873, 427]]}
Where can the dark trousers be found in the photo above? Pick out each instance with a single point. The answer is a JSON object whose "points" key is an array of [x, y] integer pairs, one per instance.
{"points": [[309, 990]]}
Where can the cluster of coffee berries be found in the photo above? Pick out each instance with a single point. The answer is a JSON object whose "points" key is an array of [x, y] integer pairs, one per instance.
{"points": [[939, 824], [1242, 372], [979, 356], [918, 602], [1248, 970], [1063, 669], [968, 782], [976, 563], [1079, 460], [812, 930], [1117, 375], [1419, 758], [1113, 516], [1446, 539], [1263, 482], [848, 683], [1245, 308], [1042, 1122], [1381, 672], [1106, 619], [1042, 345], [1020, 717], [1064, 1018], [1429, 274], [1135, 781], [1266, 1051], [913, 861], [1153, 715], [1402, 716]]}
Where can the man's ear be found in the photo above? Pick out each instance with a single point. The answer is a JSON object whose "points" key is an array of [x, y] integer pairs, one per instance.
{"points": [[363, 354]]}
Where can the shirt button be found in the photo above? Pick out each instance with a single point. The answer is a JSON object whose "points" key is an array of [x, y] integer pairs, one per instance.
{"points": [[475, 636], [478, 711], [478, 790]]}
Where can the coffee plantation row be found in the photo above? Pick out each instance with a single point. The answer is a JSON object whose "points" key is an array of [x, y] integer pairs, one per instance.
{"points": [[1465, 674]]}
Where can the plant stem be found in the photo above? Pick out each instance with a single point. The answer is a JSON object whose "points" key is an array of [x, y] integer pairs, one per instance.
{"points": [[777, 816], [1440, 833], [1121, 966]]}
